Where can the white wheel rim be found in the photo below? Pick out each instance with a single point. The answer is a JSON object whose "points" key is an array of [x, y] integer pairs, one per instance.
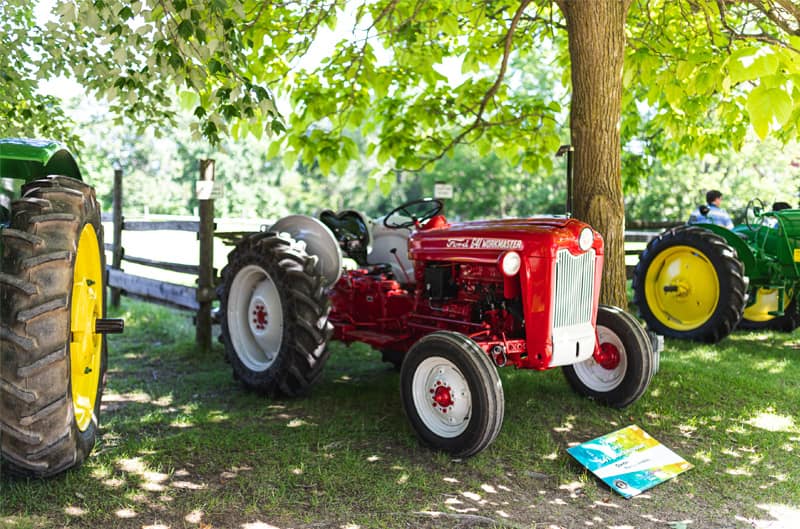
{"points": [[441, 397], [595, 376], [255, 318]]}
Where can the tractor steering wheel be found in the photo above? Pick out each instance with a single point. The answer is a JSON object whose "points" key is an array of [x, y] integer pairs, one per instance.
{"points": [[754, 207], [418, 211]]}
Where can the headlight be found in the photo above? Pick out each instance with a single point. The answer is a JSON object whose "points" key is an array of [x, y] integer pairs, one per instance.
{"points": [[586, 239], [510, 263]]}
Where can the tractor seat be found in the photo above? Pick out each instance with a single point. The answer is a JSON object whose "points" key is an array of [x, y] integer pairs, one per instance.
{"points": [[352, 231]]}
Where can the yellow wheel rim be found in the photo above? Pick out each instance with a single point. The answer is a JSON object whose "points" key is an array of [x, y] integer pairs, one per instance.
{"points": [[766, 302], [86, 346], [682, 288]]}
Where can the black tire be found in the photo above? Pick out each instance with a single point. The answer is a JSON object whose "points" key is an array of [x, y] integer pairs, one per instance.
{"points": [[688, 260], [626, 364], [46, 263], [392, 357], [786, 323], [275, 326], [471, 392]]}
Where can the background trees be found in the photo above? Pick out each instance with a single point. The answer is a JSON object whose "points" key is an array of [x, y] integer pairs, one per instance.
{"points": [[697, 74]]}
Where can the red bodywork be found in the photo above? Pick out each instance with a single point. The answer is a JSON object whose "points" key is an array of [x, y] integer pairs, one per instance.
{"points": [[525, 320]]}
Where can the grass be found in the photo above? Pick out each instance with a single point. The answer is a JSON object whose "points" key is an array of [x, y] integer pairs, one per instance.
{"points": [[183, 445]]}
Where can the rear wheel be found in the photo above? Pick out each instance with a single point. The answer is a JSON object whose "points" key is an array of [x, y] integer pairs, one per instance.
{"points": [[275, 315], [620, 372], [689, 284], [452, 394], [757, 315], [53, 360]]}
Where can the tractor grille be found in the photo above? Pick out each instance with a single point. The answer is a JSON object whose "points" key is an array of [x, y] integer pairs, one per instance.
{"points": [[574, 288]]}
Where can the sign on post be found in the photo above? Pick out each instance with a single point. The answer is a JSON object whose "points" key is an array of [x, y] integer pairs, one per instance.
{"points": [[209, 189], [442, 190]]}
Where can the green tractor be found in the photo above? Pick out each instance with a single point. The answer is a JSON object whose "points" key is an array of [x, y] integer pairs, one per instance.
{"points": [[52, 310], [701, 281]]}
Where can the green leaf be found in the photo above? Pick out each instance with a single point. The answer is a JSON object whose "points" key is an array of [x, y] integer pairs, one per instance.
{"points": [[274, 149], [188, 100], [289, 159], [186, 29], [744, 67], [781, 104], [449, 24], [324, 165], [759, 111], [386, 183]]}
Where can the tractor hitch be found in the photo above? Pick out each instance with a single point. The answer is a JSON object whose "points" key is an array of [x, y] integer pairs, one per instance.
{"points": [[109, 326]]}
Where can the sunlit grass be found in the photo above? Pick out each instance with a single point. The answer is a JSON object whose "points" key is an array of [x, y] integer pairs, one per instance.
{"points": [[183, 445]]}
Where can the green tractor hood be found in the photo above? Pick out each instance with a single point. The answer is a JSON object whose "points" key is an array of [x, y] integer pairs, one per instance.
{"points": [[23, 160], [26, 160]]}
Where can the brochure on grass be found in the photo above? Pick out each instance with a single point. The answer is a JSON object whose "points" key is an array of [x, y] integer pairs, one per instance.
{"points": [[629, 460]]}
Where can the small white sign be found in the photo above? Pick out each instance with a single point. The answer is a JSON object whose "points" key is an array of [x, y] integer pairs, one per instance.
{"points": [[209, 189], [442, 190]]}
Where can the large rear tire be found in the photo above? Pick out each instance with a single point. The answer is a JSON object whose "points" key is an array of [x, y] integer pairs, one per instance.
{"points": [[53, 361], [690, 284], [452, 394], [622, 371], [275, 326]]}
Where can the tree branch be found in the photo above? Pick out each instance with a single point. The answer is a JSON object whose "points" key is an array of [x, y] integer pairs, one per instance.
{"points": [[735, 34], [479, 122]]}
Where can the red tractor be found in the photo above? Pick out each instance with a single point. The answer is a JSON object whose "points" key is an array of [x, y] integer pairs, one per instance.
{"points": [[447, 303]]}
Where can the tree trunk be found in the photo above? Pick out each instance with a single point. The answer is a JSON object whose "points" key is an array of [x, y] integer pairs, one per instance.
{"points": [[596, 31]]}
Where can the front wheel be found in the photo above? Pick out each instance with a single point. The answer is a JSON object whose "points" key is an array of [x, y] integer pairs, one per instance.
{"points": [[452, 394], [619, 373]]}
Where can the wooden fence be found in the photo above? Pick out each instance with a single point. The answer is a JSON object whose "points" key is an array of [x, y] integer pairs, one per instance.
{"points": [[197, 299]]}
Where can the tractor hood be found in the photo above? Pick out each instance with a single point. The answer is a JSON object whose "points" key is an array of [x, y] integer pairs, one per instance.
{"points": [[27, 159], [486, 240]]}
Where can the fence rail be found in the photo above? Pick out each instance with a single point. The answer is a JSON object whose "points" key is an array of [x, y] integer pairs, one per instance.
{"points": [[197, 299]]}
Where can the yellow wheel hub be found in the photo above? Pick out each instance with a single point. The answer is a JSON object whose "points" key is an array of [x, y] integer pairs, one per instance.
{"points": [[766, 302], [86, 347], [682, 288]]}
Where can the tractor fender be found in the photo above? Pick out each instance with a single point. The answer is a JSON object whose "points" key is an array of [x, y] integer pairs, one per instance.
{"points": [[28, 159], [319, 240], [743, 251]]}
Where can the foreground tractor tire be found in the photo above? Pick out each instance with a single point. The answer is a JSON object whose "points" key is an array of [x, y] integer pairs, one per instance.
{"points": [[689, 284], [620, 374], [757, 315], [53, 361], [274, 310], [452, 394]]}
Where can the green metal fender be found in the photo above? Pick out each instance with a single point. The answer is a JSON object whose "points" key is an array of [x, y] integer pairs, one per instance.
{"points": [[743, 251], [24, 160], [28, 160]]}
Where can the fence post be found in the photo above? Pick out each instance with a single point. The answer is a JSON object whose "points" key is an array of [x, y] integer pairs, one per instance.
{"points": [[205, 278], [116, 217]]}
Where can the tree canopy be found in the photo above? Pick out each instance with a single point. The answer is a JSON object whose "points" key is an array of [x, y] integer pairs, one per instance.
{"points": [[697, 74]]}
